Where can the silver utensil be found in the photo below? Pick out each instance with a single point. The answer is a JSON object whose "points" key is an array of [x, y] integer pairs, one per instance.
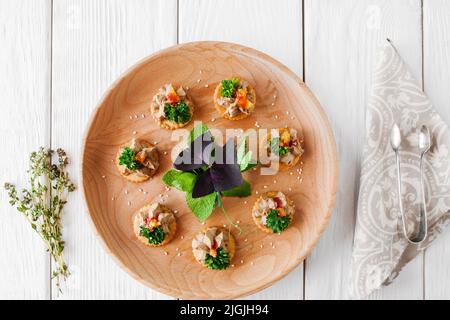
{"points": [[424, 147]]}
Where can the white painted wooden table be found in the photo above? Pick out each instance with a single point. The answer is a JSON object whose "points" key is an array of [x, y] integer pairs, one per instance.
{"points": [[58, 57]]}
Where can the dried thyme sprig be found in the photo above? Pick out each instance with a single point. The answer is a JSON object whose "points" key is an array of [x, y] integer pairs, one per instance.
{"points": [[43, 202]]}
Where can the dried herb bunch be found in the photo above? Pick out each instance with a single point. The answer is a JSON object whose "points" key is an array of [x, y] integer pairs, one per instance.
{"points": [[42, 204]]}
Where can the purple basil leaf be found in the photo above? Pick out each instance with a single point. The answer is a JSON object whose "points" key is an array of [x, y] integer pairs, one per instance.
{"points": [[225, 176], [196, 155], [226, 154], [203, 186]]}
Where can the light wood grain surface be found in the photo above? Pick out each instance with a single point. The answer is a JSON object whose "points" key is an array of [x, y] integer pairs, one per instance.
{"points": [[58, 57]]}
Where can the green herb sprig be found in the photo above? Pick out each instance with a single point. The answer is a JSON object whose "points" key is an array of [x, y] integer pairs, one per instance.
{"points": [[42, 204], [229, 87], [179, 113], [276, 148], [276, 223], [128, 159], [220, 262], [154, 237]]}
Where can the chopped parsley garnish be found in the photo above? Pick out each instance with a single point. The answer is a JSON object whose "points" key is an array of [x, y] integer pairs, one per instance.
{"points": [[154, 237], [178, 113], [229, 87], [276, 148], [276, 223], [128, 159], [220, 262]]}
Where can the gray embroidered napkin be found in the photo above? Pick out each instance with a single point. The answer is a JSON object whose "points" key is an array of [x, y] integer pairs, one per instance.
{"points": [[380, 249]]}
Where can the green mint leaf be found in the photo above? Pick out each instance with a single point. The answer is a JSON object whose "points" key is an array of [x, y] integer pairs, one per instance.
{"points": [[277, 224], [201, 207], [128, 159], [154, 237], [220, 262], [244, 190], [229, 87], [244, 158], [183, 181]]}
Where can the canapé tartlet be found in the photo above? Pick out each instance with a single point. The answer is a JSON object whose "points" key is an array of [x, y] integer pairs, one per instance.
{"points": [[214, 248], [234, 98], [273, 212], [172, 109], [154, 225], [137, 161]]}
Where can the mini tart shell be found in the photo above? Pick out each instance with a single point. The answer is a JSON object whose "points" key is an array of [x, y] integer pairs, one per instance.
{"points": [[284, 166], [222, 110], [171, 125], [231, 244], [133, 177], [270, 194], [168, 236]]}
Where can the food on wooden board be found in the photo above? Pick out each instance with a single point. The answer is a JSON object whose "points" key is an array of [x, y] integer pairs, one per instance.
{"points": [[234, 98], [138, 161], [285, 148], [214, 248], [172, 109], [273, 212], [155, 225]]}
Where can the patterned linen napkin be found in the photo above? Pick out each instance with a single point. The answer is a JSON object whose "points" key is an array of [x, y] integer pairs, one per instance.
{"points": [[380, 249]]}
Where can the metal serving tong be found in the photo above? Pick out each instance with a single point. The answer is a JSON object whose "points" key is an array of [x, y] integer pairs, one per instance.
{"points": [[424, 147]]}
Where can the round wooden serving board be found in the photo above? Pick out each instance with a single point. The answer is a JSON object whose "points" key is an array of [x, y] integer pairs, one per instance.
{"points": [[261, 259]]}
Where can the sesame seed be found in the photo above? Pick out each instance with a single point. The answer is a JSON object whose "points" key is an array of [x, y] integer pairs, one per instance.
{"points": [[134, 132], [179, 254], [201, 71], [166, 253], [273, 247], [252, 263], [245, 240], [273, 104], [213, 119], [129, 203], [274, 181], [142, 116], [145, 192], [298, 178], [237, 222], [261, 246], [232, 265], [271, 244], [291, 173], [126, 191], [203, 223], [177, 249], [140, 190], [242, 261], [276, 117], [265, 187], [131, 117], [290, 189], [256, 192], [224, 225], [198, 81], [182, 237], [245, 202], [206, 85], [274, 96], [287, 112], [187, 88], [112, 199], [103, 177], [175, 211], [135, 116]]}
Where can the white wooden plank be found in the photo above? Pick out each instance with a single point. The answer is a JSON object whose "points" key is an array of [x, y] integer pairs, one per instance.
{"points": [[24, 127], [436, 18], [340, 42], [274, 27], [94, 42]]}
